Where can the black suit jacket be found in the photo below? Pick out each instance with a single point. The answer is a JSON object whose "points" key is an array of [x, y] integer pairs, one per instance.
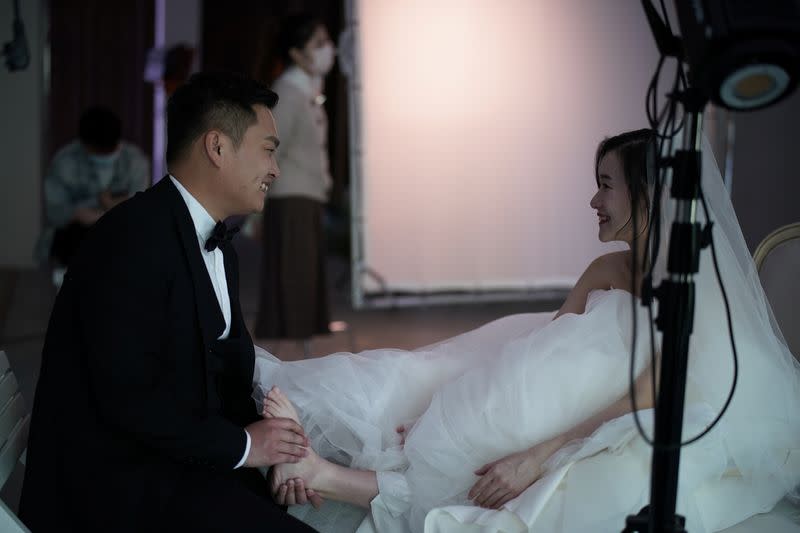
{"points": [[135, 392]]}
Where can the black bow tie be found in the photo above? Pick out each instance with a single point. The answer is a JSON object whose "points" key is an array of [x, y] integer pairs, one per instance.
{"points": [[221, 235]]}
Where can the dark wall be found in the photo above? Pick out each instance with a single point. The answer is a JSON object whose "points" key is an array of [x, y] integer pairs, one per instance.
{"points": [[98, 51], [766, 169], [240, 36]]}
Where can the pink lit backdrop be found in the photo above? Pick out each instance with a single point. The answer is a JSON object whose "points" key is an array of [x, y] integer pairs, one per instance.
{"points": [[480, 121]]}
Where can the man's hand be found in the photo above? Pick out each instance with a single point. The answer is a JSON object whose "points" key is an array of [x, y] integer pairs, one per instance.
{"points": [[274, 441]]}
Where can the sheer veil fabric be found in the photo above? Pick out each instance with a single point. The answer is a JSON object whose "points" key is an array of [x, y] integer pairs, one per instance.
{"points": [[526, 378]]}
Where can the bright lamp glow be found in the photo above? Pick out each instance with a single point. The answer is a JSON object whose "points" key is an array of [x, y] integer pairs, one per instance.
{"points": [[754, 86]]}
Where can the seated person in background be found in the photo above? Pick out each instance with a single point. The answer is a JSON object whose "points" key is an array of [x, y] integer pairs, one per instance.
{"points": [[87, 177]]}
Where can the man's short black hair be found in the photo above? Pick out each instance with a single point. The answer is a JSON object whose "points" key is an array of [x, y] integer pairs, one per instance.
{"points": [[217, 100], [100, 129]]}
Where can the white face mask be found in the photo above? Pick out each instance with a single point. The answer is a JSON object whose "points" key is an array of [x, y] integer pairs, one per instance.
{"points": [[322, 59]]}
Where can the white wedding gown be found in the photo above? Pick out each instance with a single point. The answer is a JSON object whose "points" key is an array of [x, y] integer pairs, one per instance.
{"points": [[523, 379]]}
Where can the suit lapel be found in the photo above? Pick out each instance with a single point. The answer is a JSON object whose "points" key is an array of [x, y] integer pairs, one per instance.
{"points": [[240, 337], [207, 308], [232, 278]]}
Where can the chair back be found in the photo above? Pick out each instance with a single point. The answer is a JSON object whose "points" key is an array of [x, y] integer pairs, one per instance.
{"points": [[14, 424], [777, 259]]}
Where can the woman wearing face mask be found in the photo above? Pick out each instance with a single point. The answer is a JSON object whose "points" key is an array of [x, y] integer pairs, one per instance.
{"points": [[293, 300]]}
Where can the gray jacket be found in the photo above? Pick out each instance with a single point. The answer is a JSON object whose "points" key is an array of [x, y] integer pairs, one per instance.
{"points": [[72, 182]]}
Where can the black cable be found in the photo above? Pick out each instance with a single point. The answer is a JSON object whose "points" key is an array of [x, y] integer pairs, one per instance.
{"points": [[678, 85], [634, 316], [730, 324], [655, 224], [668, 135], [653, 238], [666, 16], [730, 335], [680, 82], [651, 100], [671, 128]]}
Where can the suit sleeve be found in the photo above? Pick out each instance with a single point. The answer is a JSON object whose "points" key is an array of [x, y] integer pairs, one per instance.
{"points": [[125, 319]]}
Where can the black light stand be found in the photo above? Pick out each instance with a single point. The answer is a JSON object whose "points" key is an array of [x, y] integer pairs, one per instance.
{"points": [[676, 295], [743, 62]]}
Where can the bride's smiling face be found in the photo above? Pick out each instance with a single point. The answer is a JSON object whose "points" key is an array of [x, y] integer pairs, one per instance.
{"points": [[612, 201]]}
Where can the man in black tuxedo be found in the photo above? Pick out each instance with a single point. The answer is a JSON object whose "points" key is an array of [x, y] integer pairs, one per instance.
{"points": [[143, 418]]}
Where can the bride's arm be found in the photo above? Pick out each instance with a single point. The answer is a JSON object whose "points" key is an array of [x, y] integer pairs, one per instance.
{"points": [[623, 406], [506, 478]]}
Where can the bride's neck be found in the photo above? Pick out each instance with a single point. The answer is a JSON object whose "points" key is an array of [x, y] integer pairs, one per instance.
{"points": [[642, 259]]}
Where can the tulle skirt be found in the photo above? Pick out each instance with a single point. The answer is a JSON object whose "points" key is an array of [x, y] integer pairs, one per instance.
{"points": [[512, 384]]}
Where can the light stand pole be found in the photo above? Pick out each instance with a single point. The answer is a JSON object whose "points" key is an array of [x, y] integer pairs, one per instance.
{"points": [[742, 62], [676, 296]]}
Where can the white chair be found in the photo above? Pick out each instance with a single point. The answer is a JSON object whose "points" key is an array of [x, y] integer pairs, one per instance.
{"points": [[14, 424], [777, 259]]}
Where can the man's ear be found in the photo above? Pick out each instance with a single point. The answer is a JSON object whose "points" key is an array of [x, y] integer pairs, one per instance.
{"points": [[214, 147]]}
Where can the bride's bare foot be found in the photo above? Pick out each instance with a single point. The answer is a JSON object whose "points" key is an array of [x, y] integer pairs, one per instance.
{"points": [[309, 468], [304, 469], [321, 478], [277, 405], [312, 469]]}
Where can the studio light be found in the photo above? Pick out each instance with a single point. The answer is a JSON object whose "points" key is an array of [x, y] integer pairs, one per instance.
{"points": [[743, 55]]}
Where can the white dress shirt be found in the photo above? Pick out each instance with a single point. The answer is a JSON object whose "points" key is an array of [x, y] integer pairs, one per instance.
{"points": [[215, 264]]}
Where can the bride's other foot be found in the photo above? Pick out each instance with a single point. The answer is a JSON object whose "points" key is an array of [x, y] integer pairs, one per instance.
{"points": [[277, 405], [402, 432]]}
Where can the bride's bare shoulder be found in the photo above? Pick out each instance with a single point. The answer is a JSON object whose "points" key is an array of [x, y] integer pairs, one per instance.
{"points": [[609, 267], [612, 270], [602, 273]]}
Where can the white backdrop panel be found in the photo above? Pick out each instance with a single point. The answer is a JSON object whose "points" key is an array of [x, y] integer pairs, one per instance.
{"points": [[480, 121]]}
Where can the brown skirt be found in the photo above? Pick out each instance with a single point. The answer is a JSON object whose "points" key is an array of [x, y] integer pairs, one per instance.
{"points": [[293, 300]]}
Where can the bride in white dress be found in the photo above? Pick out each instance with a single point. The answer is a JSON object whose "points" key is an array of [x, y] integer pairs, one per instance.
{"points": [[525, 424]]}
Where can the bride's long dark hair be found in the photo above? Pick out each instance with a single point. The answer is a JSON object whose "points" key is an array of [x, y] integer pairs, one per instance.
{"points": [[636, 151]]}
